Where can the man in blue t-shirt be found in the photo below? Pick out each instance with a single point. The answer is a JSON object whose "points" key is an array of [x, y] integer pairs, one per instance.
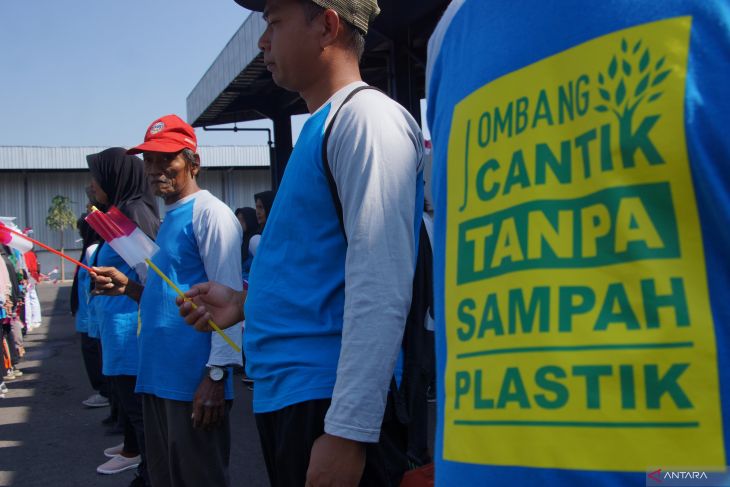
{"points": [[328, 299], [183, 376], [581, 186]]}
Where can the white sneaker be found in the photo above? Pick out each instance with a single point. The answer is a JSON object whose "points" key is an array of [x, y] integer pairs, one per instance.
{"points": [[3, 388], [95, 401], [118, 464], [114, 451]]}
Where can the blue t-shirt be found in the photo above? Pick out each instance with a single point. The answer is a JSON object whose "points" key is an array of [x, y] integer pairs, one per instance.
{"points": [[581, 186], [246, 266], [306, 337], [83, 288], [116, 318], [199, 240], [92, 322], [292, 353]]}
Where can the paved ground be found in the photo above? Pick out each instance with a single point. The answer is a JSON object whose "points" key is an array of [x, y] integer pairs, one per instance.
{"points": [[47, 438]]}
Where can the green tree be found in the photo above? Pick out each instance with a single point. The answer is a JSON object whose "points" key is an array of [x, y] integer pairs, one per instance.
{"points": [[60, 217], [631, 78]]}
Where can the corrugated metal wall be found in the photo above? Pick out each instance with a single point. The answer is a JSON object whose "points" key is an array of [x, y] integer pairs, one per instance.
{"points": [[235, 187], [45, 158], [32, 209], [22, 158]]}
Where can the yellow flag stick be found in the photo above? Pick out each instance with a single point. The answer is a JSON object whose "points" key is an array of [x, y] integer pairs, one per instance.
{"points": [[182, 295]]}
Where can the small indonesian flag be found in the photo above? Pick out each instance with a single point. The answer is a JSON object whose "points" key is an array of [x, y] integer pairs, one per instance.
{"points": [[125, 238], [13, 241]]}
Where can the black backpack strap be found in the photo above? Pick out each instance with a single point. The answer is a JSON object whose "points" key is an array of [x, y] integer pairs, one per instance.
{"points": [[325, 159]]}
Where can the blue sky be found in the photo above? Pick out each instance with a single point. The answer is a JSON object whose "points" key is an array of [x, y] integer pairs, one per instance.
{"points": [[97, 72]]}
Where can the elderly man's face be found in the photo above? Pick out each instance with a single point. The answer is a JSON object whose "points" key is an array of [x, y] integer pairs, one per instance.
{"points": [[169, 174]]}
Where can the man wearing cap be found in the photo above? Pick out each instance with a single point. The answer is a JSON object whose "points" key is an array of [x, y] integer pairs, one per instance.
{"points": [[327, 303], [184, 376]]}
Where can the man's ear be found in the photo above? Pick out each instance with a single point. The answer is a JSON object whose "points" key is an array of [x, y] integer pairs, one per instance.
{"points": [[195, 169], [331, 25]]}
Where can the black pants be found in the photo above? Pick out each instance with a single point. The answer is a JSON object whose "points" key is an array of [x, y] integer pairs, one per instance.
{"points": [[130, 409], [91, 352], [287, 436], [180, 455]]}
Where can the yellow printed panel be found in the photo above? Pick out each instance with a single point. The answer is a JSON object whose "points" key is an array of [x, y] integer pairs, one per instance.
{"points": [[579, 330]]}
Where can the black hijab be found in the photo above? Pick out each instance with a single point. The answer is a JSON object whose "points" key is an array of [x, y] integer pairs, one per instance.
{"points": [[123, 179], [249, 217], [267, 199]]}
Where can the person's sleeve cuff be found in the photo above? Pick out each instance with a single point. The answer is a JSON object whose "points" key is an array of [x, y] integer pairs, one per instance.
{"points": [[352, 433]]}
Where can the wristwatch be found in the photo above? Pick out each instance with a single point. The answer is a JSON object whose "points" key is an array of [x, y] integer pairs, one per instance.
{"points": [[217, 374]]}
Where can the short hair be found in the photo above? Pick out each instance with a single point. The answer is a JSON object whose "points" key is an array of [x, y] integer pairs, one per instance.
{"points": [[354, 38], [189, 157]]}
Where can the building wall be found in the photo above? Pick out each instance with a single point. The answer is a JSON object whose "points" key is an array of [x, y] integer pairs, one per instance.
{"points": [[28, 158], [31, 207], [27, 196], [235, 187]]}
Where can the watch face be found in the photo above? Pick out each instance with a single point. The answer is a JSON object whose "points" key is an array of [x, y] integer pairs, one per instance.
{"points": [[215, 374]]}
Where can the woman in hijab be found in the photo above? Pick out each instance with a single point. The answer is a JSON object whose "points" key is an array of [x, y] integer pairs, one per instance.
{"points": [[264, 201], [249, 224], [90, 343], [119, 180]]}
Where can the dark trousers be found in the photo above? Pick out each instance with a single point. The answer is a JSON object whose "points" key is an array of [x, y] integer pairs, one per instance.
{"points": [[10, 353], [130, 409], [287, 436], [13, 333], [91, 352], [180, 455]]}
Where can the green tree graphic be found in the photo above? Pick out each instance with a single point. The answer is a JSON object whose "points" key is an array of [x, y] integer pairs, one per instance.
{"points": [[629, 80]]}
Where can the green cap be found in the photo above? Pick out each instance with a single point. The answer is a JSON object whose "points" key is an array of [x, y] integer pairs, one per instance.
{"points": [[359, 13]]}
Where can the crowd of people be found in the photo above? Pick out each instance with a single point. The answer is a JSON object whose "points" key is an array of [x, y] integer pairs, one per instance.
{"points": [[20, 308], [325, 305], [113, 336]]}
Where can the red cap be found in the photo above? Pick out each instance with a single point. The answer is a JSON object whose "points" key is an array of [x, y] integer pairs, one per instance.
{"points": [[167, 134]]}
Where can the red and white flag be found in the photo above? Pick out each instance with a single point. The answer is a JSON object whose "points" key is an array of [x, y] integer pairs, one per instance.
{"points": [[11, 240], [125, 238]]}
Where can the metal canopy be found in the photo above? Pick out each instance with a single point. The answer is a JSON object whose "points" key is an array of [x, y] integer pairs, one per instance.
{"points": [[237, 87]]}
